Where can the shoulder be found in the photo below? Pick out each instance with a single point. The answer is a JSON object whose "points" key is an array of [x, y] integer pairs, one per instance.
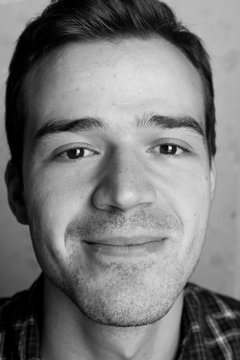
{"points": [[12, 309], [19, 322], [216, 318], [11, 324], [211, 303], [21, 307]]}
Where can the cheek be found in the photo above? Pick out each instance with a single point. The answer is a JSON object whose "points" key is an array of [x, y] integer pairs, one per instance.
{"points": [[197, 198], [186, 189], [52, 203], [194, 205]]}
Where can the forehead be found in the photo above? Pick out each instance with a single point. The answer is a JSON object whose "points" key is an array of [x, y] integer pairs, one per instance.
{"points": [[131, 76]]}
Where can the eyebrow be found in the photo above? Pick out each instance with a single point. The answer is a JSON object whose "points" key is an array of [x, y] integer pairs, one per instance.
{"points": [[171, 122], [59, 126], [91, 123]]}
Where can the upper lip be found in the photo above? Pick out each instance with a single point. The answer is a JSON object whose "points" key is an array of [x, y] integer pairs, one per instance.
{"points": [[125, 241]]}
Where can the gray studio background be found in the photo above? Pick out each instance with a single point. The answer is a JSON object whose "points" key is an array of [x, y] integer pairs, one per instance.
{"points": [[217, 23]]}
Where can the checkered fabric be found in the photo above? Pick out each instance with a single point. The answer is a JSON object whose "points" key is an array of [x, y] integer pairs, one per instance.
{"points": [[210, 328], [20, 323]]}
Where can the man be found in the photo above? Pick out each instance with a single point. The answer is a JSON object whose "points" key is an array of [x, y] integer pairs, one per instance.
{"points": [[110, 122]]}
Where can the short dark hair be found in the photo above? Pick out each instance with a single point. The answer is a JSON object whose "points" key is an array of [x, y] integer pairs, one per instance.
{"points": [[65, 21]]}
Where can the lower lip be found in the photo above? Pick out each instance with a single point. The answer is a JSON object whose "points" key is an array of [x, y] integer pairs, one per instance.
{"points": [[126, 251]]}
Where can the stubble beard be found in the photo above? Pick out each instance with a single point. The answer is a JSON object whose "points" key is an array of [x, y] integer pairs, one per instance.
{"points": [[121, 294], [124, 296]]}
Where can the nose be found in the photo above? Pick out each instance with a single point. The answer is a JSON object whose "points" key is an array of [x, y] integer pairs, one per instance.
{"points": [[125, 184]]}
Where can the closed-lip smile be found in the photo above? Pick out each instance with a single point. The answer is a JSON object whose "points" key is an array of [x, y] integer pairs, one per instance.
{"points": [[122, 241], [126, 246]]}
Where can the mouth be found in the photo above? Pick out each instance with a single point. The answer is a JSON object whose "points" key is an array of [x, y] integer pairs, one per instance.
{"points": [[123, 246]]}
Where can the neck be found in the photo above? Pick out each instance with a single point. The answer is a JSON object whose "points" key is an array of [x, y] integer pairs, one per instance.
{"points": [[68, 334]]}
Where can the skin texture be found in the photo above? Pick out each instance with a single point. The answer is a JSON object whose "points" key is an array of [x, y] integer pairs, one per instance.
{"points": [[131, 185]]}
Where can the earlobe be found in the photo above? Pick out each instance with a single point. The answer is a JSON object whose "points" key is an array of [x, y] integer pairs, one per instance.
{"points": [[16, 193], [213, 178]]}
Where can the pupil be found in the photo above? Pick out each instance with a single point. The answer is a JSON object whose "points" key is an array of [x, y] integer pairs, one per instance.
{"points": [[75, 153], [168, 149]]}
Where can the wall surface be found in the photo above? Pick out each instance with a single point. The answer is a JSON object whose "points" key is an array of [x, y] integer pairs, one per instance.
{"points": [[217, 23]]}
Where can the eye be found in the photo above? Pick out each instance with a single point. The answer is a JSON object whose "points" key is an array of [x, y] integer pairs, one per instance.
{"points": [[170, 149], [76, 153]]}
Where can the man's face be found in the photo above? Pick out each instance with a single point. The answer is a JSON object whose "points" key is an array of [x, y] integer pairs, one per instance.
{"points": [[116, 175]]}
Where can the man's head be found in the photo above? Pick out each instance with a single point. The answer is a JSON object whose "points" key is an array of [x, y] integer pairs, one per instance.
{"points": [[110, 122]]}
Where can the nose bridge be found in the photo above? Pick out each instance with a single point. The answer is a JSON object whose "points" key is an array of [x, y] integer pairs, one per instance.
{"points": [[125, 182], [123, 166]]}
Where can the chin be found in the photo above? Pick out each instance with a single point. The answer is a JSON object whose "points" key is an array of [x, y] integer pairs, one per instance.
{"points": [[125, 303]]}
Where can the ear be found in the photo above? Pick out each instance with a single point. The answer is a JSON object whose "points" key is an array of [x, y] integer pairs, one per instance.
{"points": [[16, 201], [213, 178]]}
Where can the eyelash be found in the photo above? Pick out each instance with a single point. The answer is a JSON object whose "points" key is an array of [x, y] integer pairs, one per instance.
{"points": [[177, 147], [64, 154]]}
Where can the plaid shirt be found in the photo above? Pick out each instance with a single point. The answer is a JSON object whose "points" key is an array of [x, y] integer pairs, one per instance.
{"points": [[210, 325]]}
